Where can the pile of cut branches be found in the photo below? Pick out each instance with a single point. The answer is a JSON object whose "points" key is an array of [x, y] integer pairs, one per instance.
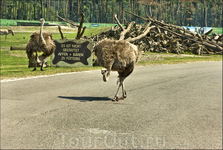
{"points": [[164, 37], [158, 36]]}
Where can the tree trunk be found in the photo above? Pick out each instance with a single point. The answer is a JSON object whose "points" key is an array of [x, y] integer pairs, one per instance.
{"points": [[178, 12], [47, 10], [113, 21], [10, 12], [30, 11], [160, 10], [94, 14], [54, 16], [205, 14], [34, 10], [195, 21], [190, 13], [106, 11], [78, 6], [100, 11], [123, 11], [64, 8], [82, 6], [15, 9], [146, 12], [2, 7], [183, 14], [173, 10], [103, 12], [42, 9], [221, 18], [72, 10], [215, 13], [19, 10], [91, 12], [6, 9], [137, 11], [49, 7]]}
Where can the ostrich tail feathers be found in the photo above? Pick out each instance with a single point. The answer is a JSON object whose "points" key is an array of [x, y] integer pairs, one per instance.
{"points": [[47, 54]]}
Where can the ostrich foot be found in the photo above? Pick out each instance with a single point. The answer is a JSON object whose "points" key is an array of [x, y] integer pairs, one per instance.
{"points": [[104, 78], [124, 94], [115, 99], [103, 71], [42, 69], [120, 98], [34, 69]]}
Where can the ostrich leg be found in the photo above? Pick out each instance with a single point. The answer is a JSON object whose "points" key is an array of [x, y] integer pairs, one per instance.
{"points": [[122, 76], [35, 62], [42, 66], [124, 95], [116, 95], [108, 70]]}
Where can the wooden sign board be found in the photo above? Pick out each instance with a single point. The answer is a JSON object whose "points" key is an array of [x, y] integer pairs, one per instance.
{"points": [[72, 53]]}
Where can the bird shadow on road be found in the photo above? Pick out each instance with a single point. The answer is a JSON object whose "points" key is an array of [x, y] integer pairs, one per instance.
{"points": [[86, 98]]}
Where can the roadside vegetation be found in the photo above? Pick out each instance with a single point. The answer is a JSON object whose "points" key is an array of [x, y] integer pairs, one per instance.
{"points": [[14, 64]]}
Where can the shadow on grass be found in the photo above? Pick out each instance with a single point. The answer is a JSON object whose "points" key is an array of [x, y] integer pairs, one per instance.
{"points": [[86, 98]]}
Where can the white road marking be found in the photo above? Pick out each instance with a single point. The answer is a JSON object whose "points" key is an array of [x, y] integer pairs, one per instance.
{"points": [[42, 76]]}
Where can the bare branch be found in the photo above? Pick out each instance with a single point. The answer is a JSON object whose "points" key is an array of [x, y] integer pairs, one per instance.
{"points": [[119, 22], [61, 34], [68, 21], [122, 34], [147, 27], [79, 33], [141, 35]]}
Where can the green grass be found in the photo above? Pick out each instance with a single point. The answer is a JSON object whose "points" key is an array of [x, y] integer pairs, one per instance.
{"points": [[14, 64], [174, 58], [217, 30]]}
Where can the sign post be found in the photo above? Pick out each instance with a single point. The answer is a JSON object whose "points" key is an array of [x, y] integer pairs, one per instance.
{"points": [[72, 53]]}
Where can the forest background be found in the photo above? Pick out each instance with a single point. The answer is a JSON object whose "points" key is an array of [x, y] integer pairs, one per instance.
{"points": [[202, 13]]}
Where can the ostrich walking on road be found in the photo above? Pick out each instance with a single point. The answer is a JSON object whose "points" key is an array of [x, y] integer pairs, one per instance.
{"points": [[6, 32], [119, 55], [40, 42]]}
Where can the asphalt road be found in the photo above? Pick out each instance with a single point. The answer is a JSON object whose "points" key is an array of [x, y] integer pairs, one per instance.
{"points": [[168, 106]]}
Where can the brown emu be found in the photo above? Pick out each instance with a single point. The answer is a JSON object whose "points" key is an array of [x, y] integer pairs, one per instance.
{"points": [[40, 42], [119, 55]]}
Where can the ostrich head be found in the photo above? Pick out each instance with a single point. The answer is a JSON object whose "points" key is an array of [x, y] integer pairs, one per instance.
{"points": [[42, 20]]}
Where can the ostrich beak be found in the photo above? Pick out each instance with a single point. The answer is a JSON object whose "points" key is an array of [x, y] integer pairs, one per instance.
{"points": [[42, 19]]}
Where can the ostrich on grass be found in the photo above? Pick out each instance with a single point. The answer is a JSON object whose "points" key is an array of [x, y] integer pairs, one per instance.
{"points": [[40, 42], [6, 32], [119, 55]]}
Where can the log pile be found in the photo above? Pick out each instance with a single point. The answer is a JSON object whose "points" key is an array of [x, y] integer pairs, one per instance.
{"points": [[164, 37], [159, 37]]}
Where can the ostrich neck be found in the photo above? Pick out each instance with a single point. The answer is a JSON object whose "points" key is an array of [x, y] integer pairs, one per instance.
{"points": [[41, 30], [41, 39]]}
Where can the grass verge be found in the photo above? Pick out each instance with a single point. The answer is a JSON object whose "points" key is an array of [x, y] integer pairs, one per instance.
{"points": [[14, 64]]}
